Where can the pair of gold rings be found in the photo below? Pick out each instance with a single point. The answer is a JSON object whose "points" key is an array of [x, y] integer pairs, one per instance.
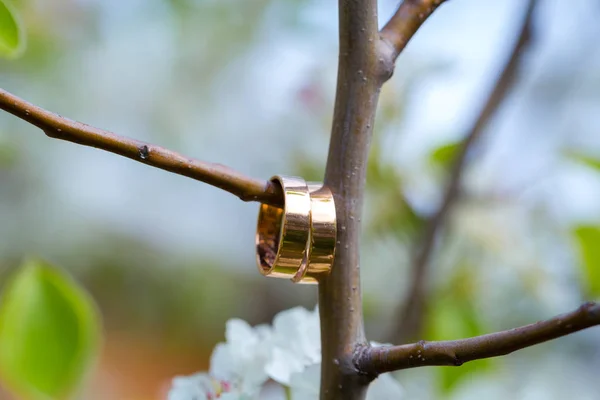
{"points": [[297, 241]]}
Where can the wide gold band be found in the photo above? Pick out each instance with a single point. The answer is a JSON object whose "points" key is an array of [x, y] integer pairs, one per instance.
{"points": [[282, 234], [323, 230], [298, 241]]}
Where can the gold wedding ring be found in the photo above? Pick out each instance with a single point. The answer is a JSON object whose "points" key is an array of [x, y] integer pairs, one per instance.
{"points": [[323, 230], [282, 234], [298, 241]]}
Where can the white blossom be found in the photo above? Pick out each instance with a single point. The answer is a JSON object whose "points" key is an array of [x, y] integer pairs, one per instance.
{"points": [[201, 387], [241, 360], [288, 353], [385, 387], [237, 367], [296, 343]]}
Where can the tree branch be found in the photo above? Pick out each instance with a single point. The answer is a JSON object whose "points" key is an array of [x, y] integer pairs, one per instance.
{"points": [[406, 21], [376, 360], [409, 325], [340, 303], [55, 126], [366, 61]]}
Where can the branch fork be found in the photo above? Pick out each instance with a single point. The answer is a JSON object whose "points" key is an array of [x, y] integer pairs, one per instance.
{"points": [[366, 62]]}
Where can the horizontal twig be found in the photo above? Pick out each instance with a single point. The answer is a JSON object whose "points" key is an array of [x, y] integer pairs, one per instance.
{"points": [[377, 360], [58, 127]]}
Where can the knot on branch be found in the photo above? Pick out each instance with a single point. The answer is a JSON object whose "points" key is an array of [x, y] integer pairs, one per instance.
{"points": [[386, 60], [362, 356], [54, 133], [590, 310], [417, 356], [144, 152]]}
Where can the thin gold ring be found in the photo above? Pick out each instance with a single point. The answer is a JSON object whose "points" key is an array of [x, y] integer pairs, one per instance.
{"points": [[282, 234], [323, 230]]}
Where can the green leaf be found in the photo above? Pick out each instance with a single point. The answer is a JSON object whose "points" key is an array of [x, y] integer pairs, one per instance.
{"points": [[308, 168], [12, 34], [49, 333], [445, 155], [456, 320], [8, 153], [8, 156], [453, 316], [392, 214], [584, 159], [380, 174], [588, 240]]}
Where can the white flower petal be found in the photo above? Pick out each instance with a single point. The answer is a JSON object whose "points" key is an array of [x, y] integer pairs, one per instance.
{"points": [[194, 387], [385, 387], [263, 331], [313, 335], [305, 385], [273, 391], [253, 380], [230, 396], [297, 330], [242, 359], [239, 335], [283, 364], [251, 355], [222, 363]]}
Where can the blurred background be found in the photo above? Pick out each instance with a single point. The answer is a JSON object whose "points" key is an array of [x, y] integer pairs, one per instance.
{"points": [[250, 84]]}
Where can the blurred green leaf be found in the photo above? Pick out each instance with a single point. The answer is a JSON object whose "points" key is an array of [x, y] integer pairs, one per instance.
{"points": [[12, 35], [455, 319], [8, 154], [453, 316], [49, 333], [584, 159], [308, 168], [381, 175], [588, 240], [444, 156], [392, 213]]}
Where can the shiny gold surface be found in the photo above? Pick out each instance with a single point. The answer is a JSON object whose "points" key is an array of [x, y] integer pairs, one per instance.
{"points": [[298, 241], [282, 234], [322, 240]]}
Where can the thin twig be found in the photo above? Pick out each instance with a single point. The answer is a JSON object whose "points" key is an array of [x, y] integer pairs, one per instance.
{"points": [[406, 21], [377, 360], [409, 325], [55, 126]]}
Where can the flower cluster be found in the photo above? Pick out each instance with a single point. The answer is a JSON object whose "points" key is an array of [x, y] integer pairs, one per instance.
{"points": [[288, 353]]}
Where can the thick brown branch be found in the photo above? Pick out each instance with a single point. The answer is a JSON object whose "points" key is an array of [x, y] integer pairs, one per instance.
{"points": [[357, 92], [406, 21], [376, 360], [409, 325], [55, 126]]}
